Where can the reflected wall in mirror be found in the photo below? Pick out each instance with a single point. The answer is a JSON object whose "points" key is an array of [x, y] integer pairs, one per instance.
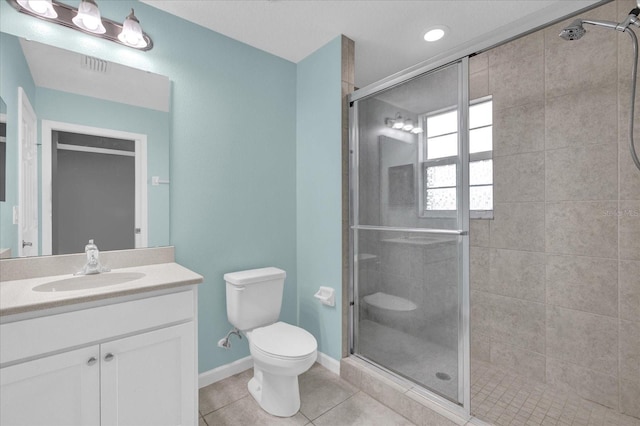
{"points": [[83, 122]]}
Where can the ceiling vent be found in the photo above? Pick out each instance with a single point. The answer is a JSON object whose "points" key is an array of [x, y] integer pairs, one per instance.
{"points": [[94, 64]]}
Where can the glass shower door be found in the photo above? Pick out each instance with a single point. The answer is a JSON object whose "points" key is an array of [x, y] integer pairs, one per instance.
{"points": [[409, 175]]}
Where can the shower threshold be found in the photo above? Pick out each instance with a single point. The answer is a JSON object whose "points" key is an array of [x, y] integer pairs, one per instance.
{"points": [[413, 401]]}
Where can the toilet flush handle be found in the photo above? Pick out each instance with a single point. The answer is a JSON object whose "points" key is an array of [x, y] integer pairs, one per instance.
{"points": [[238, 288]]}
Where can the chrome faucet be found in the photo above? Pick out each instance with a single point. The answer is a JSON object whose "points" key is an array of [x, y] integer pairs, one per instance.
{"points": [[93, 265]]}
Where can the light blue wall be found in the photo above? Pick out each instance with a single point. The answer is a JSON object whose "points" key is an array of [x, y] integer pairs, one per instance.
{"points": [[17, 75], [233, 173], [116, 116], [233, 152], [253, 139], [319, 177]]}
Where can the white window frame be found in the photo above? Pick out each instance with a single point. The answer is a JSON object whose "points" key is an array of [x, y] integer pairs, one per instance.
{"points": [[425, 163]]}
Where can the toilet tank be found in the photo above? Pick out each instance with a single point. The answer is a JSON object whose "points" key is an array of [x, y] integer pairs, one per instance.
{"points": [[254, 297]]}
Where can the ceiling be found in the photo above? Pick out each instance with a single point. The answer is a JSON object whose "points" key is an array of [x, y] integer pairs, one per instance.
{"points": [[387, 33], [51, 67]]}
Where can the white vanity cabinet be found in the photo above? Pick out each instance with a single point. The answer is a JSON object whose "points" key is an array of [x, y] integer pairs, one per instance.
{"points": [[132, 362], [62, 389], [149, 379]]}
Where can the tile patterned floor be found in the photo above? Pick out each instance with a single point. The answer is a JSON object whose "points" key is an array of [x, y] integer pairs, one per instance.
{"points": [[326, 400], [497, 398], [505, 399]]}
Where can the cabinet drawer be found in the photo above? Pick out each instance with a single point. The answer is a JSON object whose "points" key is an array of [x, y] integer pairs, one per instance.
{"points": [[38, 336]]}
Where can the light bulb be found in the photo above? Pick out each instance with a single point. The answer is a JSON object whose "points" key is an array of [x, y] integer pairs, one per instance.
{"points": [[408, 126], [88, 17], [90, 22], [132, 32], [39, 7], [398, 123], [417, 130]]}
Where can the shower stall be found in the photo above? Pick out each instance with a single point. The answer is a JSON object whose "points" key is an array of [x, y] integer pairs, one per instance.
{"points": [[555, 272], [409, 201]]}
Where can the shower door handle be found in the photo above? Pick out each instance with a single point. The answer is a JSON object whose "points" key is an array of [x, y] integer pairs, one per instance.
{"points": [[453, 232]]}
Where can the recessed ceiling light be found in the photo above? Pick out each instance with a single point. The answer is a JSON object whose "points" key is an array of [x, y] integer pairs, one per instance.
{"points": [[435, 33]]}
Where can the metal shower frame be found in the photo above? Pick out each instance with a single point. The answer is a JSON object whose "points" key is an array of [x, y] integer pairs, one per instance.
{"points": [[462, 408]]}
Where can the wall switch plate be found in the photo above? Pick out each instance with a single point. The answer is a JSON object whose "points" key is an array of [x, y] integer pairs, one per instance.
{"points": [[16, 215]]}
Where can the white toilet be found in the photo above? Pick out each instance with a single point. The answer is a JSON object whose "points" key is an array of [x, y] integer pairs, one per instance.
{"points": [[280, 351]]}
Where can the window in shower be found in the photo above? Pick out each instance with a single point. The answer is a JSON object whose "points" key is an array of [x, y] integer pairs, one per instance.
{"points": [[439, 153]]}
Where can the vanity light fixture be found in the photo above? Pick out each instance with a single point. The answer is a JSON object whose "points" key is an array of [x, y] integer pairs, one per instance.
{"points": [[399, 123], [87, 19]]}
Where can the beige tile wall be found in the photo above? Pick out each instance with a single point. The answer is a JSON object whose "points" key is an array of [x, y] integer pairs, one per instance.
{"points": [[555, 276]]}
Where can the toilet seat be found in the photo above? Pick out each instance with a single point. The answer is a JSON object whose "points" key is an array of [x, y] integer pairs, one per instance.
{"points": [[283, 341]]}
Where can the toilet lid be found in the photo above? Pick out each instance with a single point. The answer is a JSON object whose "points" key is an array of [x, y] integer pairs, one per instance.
{"points": [[284, 340]]}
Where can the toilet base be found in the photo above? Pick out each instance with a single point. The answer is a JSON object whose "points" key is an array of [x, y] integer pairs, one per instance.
{"points": [[277, 395]]}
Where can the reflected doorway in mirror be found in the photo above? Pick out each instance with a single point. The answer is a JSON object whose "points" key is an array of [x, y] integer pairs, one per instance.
{"points": [[85, 151], [3, 151], [27, 177]]}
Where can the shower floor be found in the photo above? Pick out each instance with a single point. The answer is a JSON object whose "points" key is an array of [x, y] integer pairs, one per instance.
{"points": [[503, 398], [498, 397], [410, 356]]}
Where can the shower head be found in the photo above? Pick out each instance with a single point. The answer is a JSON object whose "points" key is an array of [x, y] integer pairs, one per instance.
{"points": [[574, 31]]}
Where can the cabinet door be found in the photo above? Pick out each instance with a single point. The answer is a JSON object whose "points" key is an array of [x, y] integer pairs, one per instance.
{"points": [[150, 378], [61, 389]]}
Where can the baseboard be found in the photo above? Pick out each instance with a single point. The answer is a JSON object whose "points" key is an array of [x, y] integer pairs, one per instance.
{"points": [[238, 366], [329, 363], [224, 371]]}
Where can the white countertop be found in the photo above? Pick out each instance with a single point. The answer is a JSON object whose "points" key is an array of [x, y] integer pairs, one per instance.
{"points": [[18, 296]]}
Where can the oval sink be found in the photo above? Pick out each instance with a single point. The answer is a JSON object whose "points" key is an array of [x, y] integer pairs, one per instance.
{"points": [[85, 282]]}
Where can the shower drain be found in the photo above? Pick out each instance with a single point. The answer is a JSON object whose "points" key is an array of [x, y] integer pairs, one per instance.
{"points": [[443, 376]]}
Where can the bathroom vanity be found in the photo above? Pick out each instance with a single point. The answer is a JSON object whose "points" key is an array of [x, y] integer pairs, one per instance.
{"points": [[122, 353]]}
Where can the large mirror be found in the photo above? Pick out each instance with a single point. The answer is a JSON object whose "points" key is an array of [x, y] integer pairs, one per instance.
{"points": [[86, 153]]}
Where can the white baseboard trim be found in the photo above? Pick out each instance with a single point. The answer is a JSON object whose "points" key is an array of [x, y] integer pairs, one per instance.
{"points": [[238, 366], [224, 371], [329, 363]]}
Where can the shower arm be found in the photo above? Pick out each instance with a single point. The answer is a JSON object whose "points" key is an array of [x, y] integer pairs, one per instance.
{"points": [[606, 24], [632, 18]]}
